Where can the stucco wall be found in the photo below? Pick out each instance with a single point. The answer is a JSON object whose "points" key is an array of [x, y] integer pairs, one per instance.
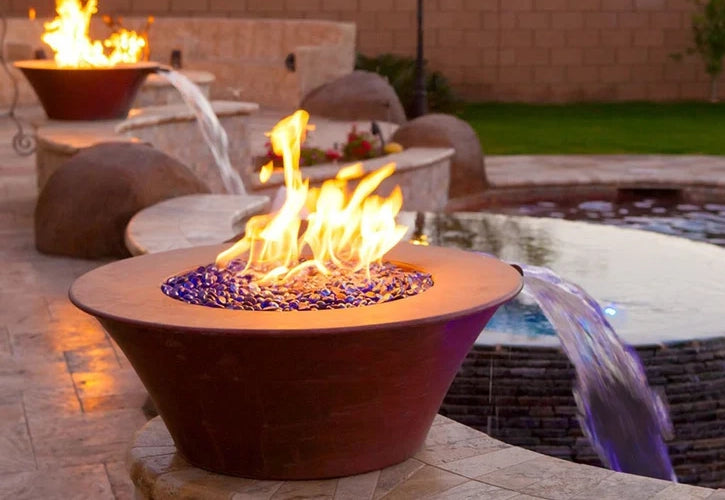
{"points": [[531, 50]]}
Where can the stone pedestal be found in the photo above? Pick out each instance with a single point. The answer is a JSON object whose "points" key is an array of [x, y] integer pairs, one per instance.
{"points": [[169, 128], [173, 129], [455, 463]]}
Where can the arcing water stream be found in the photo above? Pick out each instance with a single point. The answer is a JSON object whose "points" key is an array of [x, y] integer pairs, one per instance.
{"points": [[211, 129], [624, 419]]}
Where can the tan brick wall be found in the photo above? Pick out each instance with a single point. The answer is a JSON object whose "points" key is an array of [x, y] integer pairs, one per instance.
{"points": [[527, 50]]}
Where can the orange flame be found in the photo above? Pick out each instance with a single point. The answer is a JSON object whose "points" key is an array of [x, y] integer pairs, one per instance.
{"points": [[344, 230], [67, 35]]}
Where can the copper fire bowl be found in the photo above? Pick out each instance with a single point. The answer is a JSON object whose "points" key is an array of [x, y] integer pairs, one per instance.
{"points": [[299, 394], [85, 93]]}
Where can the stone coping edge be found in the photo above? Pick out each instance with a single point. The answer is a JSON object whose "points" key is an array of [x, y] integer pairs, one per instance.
{"points": [[456, 462], [69, 137], [155, 80], [190, 220], [158, 115]]}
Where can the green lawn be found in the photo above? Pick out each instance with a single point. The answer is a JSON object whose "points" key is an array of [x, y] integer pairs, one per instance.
{"points": [[611, 128]]}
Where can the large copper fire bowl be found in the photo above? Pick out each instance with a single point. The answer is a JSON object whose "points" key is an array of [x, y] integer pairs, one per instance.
{"points": [[300, 394], [85, 93]]}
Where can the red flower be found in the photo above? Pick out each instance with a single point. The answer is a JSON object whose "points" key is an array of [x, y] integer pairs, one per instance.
{"points": [[332, 154]]}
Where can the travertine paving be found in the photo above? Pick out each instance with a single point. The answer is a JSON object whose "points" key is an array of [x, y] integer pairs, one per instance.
{"points": [[70, 403], [456, 463]]}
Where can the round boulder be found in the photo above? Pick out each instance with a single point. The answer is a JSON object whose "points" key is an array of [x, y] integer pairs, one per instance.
{"points": [[361, 95], [84, 207], [468, 174]]}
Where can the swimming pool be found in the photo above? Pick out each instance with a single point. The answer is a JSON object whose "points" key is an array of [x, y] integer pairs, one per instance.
{"points": [[657, 288], [699, 222]]}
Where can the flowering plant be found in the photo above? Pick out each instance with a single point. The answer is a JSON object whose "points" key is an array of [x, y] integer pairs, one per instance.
{"points": [[359, 146]]}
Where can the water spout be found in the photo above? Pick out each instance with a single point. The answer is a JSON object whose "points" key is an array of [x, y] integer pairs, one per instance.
{"points": [[624, 419], [213, 132]]}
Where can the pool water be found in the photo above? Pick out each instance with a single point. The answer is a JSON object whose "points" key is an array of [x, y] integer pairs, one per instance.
{"points": [[695, 222], [654, 287], [521, 317]]}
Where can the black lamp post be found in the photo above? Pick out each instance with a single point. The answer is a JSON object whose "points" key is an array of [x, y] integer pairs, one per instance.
{"points": [[420, 104]]}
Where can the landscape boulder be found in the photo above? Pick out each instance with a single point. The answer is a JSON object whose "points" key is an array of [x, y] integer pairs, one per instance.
{"points": [[468, 174], [360, 95], [85, 205]]}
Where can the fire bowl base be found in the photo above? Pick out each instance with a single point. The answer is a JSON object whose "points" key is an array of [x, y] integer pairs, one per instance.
{"points": [[297, 394], [458, 462], [153, 461], [85, 93]]}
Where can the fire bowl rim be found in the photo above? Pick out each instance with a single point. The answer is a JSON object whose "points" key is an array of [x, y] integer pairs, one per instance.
{"points": [[50, 65], [108, 293]]}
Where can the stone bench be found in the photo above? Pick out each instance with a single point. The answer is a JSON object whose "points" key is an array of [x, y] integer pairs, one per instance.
{"points": [[457, 462]]}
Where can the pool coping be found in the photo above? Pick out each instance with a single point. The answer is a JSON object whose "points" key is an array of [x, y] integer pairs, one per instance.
{"points": [[525, 176]]}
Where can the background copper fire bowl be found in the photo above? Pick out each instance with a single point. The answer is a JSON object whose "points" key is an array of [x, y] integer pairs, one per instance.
{"points": [[85, 93], [300, 394]]}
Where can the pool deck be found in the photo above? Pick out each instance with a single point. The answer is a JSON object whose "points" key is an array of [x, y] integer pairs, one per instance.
{"points": [[652, 170], [70, 403]]}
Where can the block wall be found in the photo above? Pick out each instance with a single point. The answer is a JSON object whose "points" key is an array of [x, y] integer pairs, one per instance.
{"points": [[509, 50]]}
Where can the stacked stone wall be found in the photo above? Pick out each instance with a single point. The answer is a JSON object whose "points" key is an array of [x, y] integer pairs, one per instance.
{"points": [[523, 396], [500, 50]]}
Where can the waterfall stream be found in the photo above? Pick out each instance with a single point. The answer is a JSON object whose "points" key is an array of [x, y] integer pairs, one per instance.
{"points": [[625, 421], [213, 132]]}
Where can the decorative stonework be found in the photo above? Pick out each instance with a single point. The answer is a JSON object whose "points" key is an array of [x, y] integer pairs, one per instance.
{"points": [[171, 129], [191, 220], [85, 206], [522, 178], [456, 463], [157, 91], [523, 395], [423, 175]]}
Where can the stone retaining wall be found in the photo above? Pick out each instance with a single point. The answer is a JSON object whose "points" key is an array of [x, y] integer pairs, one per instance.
{"points": [[529, 50], [523, 396]]}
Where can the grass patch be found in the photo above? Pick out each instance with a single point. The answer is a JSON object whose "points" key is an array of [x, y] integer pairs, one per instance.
{"points": [[599, 128]]}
